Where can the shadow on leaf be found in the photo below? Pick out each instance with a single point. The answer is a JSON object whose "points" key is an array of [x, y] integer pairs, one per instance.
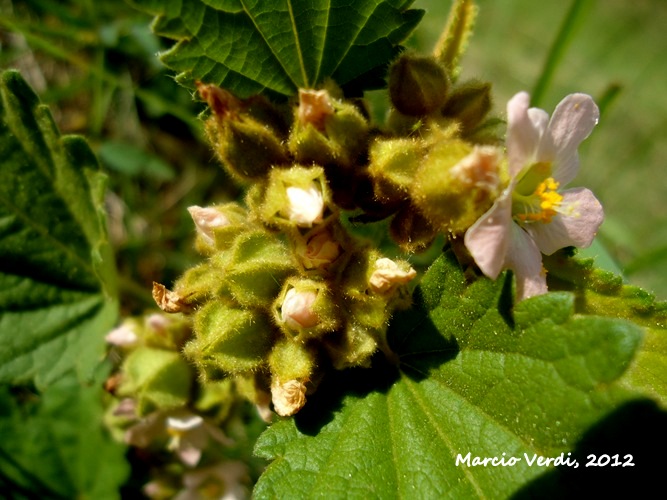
{"points": [[635, 433]]}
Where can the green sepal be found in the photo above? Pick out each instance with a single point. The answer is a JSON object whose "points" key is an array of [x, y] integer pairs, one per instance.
{"points": [[199, 283], [353, 346], [228, 340], [418, 85], [469, 104], [156, 379], [256, 267], [292, 361], [393, 165], [411, 230]]}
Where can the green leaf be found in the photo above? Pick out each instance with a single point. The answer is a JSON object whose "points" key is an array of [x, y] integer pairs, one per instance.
{"points": [[603, 293], [57, 274], [471, 378], [251, 46], [54, 445]]}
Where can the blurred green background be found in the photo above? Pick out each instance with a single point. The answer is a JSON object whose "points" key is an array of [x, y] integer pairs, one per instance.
{"points": [[94, 63]]}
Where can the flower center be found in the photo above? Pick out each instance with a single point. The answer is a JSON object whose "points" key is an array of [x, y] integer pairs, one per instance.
{"points": [[540, 206]]}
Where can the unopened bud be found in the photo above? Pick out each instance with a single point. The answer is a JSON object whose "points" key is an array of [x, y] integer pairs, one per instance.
{"points": [[319, 250], [122, 336], [305, 205], [469, 104], [297, 309], [418, 85], [206, 221]]}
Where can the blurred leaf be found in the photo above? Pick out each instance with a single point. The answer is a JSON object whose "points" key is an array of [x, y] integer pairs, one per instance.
{"points": [[471, 377], [55, 446], [57, 273], [249, 46], [133, 161]]}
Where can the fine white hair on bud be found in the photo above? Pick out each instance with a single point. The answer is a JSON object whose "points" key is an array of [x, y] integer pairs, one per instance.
{"points": [[297, 309], [387, 275], [305, 205], [206, 220]]}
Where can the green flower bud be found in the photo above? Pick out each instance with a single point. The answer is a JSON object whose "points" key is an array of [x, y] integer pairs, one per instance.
{"points": [[198, 284], [255, 268], [418, 85], [228, 340], [327, 131], [469, 104], [247, 147], [305, 309], [456, 184], [218, 226], [297, 197], [393, 164], [156, 379]]}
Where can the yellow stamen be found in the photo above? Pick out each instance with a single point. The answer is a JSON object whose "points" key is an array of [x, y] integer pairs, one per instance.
{"points": [[549, 202]]}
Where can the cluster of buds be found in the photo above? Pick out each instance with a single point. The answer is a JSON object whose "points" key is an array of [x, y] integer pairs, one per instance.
{"points": [[159, 409]]}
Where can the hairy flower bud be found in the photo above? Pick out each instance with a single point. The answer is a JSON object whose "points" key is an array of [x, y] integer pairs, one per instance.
{"points": [[297, 309], [247, 147], [217, 226], [456, 184], [288, 397], [318, 250], [469, 104], [418, 85], [305, 309]]}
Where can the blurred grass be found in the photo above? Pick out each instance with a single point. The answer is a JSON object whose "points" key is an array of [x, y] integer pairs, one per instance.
{"points": [[615, 49]]}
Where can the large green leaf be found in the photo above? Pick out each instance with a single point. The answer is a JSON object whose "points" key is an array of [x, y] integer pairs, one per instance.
{"points": [[253, 46], [470, 377], [55, 446], [57, 274]]}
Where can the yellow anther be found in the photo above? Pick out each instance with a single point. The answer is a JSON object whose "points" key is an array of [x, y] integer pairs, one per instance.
{"points": [[549, 200]]}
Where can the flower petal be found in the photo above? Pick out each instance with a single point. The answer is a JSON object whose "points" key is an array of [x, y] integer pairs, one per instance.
{"points": [[522, 135], [525, 259], [487, 239], [571, 123], [576, 224]]}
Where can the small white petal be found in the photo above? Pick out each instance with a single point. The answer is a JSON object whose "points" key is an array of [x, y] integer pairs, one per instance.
{"points": [[297, 309], [572, 121], [206, 220], [387, 275], [576, 224], [487, 240], [123, 336]]}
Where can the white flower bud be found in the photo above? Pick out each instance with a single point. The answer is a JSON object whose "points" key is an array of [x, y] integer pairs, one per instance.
{"points": [[206, 220], [297, 309], [305, 206], [387, 275]]}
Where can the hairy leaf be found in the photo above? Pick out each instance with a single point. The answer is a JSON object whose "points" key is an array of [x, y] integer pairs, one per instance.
{"points": [[57, 275], [473, 376], [251, 46], [54, 445], [603, 293]]}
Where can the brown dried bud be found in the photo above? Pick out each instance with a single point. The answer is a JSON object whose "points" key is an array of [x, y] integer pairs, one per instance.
{"points": [[314, 107], [288, 398], [168, 301]]}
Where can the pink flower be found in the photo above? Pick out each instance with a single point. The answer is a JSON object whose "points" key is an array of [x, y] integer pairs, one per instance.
{"points": [[533, 216]]}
